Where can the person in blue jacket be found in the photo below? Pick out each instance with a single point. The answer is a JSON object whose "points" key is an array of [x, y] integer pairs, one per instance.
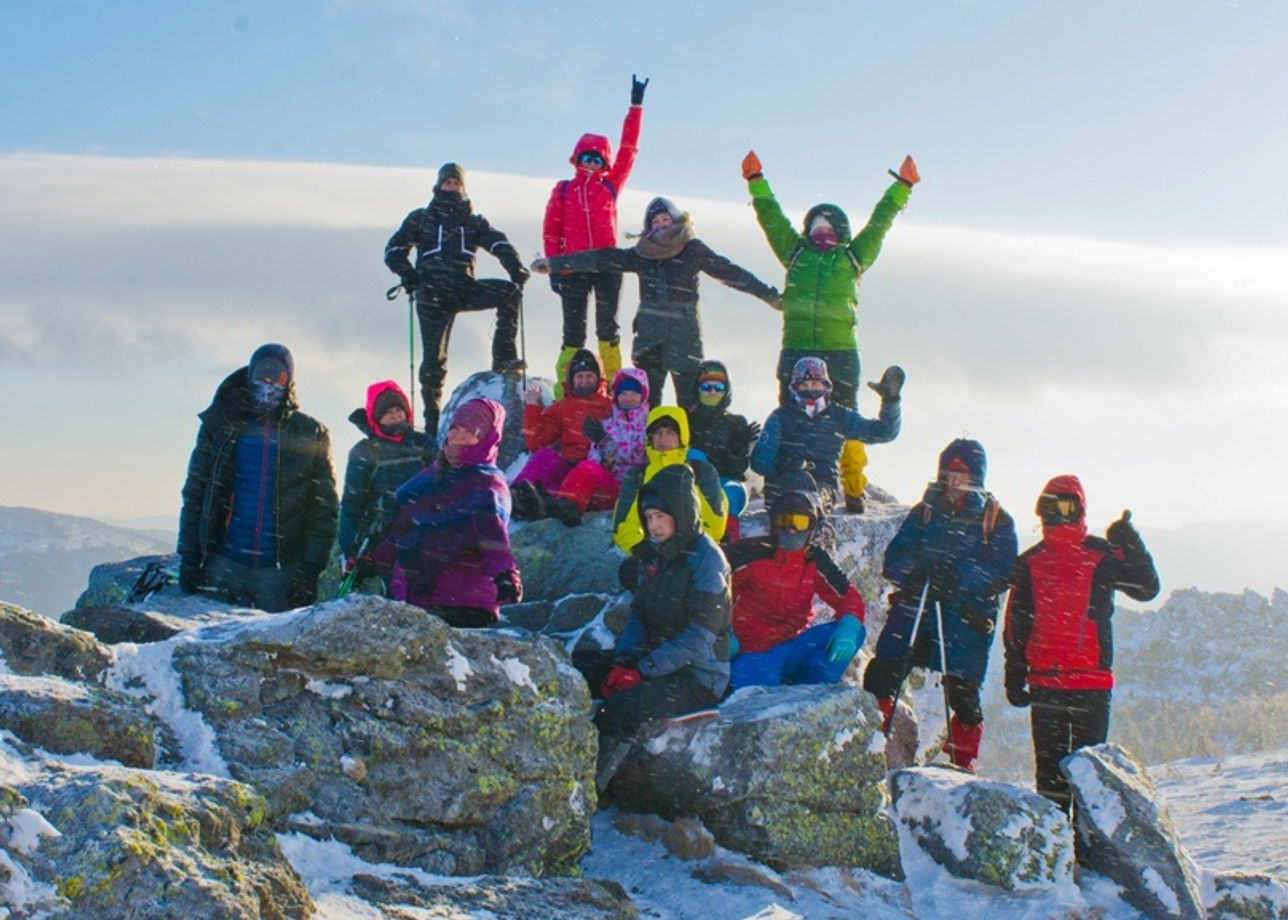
{"points": [[809, 431], [951, 559]]}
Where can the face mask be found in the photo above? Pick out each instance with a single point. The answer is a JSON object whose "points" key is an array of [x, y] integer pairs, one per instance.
{"points": [[448, 197], [710, 399], [824, 239], [792, 540], [267, 396]]}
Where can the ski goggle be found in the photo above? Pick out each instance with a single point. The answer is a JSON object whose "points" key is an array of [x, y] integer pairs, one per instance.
{"points": [[793, 521], [590, 157], [1059, 509], [712, 386]]}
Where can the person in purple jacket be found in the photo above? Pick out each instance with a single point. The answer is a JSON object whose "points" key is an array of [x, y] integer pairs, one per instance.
{"points": [[448, 549]]}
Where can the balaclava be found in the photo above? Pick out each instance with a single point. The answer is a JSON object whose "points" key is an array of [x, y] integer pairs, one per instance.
{"points": [[270, 371]]}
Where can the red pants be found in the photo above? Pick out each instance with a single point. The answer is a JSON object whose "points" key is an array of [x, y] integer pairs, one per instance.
{"points": [[544, 468], [591, 487]]}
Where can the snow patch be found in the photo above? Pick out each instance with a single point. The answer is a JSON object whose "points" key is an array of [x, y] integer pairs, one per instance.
{"points": [[518, 672], [328, 691], [1161, 890], [1104, 805], [25, 828], [458, 666], [839, 742]]}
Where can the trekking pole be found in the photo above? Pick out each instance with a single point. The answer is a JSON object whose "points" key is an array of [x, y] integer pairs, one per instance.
{"points": [[907, 655], [523, 348], [943, 673], [392, 294], [346, 583]]}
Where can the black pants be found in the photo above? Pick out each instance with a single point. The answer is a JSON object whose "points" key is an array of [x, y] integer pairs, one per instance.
{"points": [[653, 363], [437, 305], [574, 294], [623, 713], [884, 677], [464, 617], [1063, 721], [842, 368]]}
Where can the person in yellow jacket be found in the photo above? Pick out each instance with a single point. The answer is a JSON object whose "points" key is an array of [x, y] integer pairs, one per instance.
{"points": [[667, 444]]}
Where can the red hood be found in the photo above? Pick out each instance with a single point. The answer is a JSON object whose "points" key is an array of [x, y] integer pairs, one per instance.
{"points": [[373, 393], [596, 142], [1072, 533]]}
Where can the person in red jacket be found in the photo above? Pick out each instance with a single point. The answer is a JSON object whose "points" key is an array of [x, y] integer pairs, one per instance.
{"points": [[1059, 640], [582, 214], [775, 580], [556, 434]]}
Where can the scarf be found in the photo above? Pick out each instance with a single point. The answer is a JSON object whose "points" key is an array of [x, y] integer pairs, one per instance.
{"points": [[668, 242]]}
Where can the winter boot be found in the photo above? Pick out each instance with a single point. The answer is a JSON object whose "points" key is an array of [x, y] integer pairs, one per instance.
{"points": [[886, 705], [511, 366], [854, 460], [962, 746], [527, 502], [561, 368], [610, 355], [564, 510], [854, 504], [611, 755]]}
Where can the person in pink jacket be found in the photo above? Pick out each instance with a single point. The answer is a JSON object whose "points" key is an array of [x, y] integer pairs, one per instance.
{"points": [[582, 214]]}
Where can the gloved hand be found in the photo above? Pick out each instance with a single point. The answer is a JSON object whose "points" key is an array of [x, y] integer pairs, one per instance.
{"points": [[410, 280], [977, 621], [891, 383], [189, 576], [556, 283], [943, 580], [845, 641], [753, 433], [751, 168], [509, 587], [1017, 690], [361, 566], [628, 573], [637, 90], [593, 429], [619, 678], [304, 585], [1122, 533], [907, 173], [520, 276]]}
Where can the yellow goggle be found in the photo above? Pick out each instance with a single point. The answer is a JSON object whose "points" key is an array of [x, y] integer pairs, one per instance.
{"points": [[793, 521]]}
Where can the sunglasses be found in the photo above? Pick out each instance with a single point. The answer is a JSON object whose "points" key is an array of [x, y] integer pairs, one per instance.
{"points": [[1059, 509], [712, 386], [793, 521], [590, 157]]}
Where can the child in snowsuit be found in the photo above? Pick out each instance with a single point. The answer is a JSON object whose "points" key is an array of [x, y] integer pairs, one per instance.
{"points": [[445, 235], [582, 214], [448, 550], [807, 431], [259, 504], [723, 438], [668, 445], [1059, 638], [556, 434], [775, 580], [673, 656], [820, 296], [617, 450], [950, 560], [668, 259]]}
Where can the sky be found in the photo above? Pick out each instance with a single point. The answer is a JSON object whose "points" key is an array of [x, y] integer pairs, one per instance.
{"points": [[1091, 277]]}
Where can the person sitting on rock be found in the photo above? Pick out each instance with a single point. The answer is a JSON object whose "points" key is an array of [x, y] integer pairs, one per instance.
{"points": [[673, 655], [1059, 640], [448, 550], [722, 437], [556, 434], [617, 450], [775, 581], [390, 453], [668, 445], [948, 563], [808, 432]]}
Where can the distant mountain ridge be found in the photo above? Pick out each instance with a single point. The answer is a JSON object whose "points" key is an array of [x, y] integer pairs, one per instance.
{"points": [[46, 558]]}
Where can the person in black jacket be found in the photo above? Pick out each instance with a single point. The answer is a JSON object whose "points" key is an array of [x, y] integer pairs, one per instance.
{"points": [[724, 438], [667, 258], [445, 235], [259, 503]]}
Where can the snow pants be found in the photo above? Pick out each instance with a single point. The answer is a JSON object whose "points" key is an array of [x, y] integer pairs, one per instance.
{"points": [[437, 304], [591, 487], [1062, 722], [545, 468], [574, 296], [801, 660], [622, 714]]}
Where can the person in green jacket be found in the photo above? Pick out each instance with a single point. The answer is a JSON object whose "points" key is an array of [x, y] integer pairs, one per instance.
{"points": [[824, 265]]}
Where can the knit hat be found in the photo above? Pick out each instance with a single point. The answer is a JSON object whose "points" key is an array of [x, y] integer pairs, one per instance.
{"points": [[713, 373], [810, 368], [475, 417], [387, 400], [661, 422], [450, 171], [272, 361], [628, 384]]}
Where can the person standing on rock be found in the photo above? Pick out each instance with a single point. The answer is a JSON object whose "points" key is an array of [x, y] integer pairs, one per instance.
{"points": [[775, 581], [446, 234], [259, 502], [820, 295], [1059, 636], [948, 563], [448, 550], [673, 655]]}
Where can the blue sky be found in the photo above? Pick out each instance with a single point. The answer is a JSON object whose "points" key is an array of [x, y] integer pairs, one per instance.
{"points": [[1091, 277]]}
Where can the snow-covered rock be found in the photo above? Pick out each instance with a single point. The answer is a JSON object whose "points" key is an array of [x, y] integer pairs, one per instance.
{"points": [[1247, 896], [499, 898], [32, 644], [1125, 833], [793, 776], [986, 832], [113, 623]]}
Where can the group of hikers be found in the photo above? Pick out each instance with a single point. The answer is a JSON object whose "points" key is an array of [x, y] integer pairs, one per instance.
{"points": [[427, 521]]}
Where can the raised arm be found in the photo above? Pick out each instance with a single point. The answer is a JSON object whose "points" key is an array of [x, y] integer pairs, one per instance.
{"points": [[866, 244], [782, 236]]}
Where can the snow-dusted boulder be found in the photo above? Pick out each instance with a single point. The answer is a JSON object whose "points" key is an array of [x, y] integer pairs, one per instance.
{"points": [[507, 389], [987, 832], [499, 898], [577, 621], [1125, 834], [455, 751], [32, 644], [1247, 896], [75, 718], [557, 560], [793, 776], [114, 623], [110, 842]]}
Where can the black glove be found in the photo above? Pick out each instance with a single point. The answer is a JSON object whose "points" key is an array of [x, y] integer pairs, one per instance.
{"points": [[410, 280], [1122, 533], [520, 276], [361, 566], [593, 428], [891, 383], [304, 585], [637, 90], [189, 576], [943, 580], [509, 587], [1017, 689], [628, 573], [753, 433], [556, 283]]}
